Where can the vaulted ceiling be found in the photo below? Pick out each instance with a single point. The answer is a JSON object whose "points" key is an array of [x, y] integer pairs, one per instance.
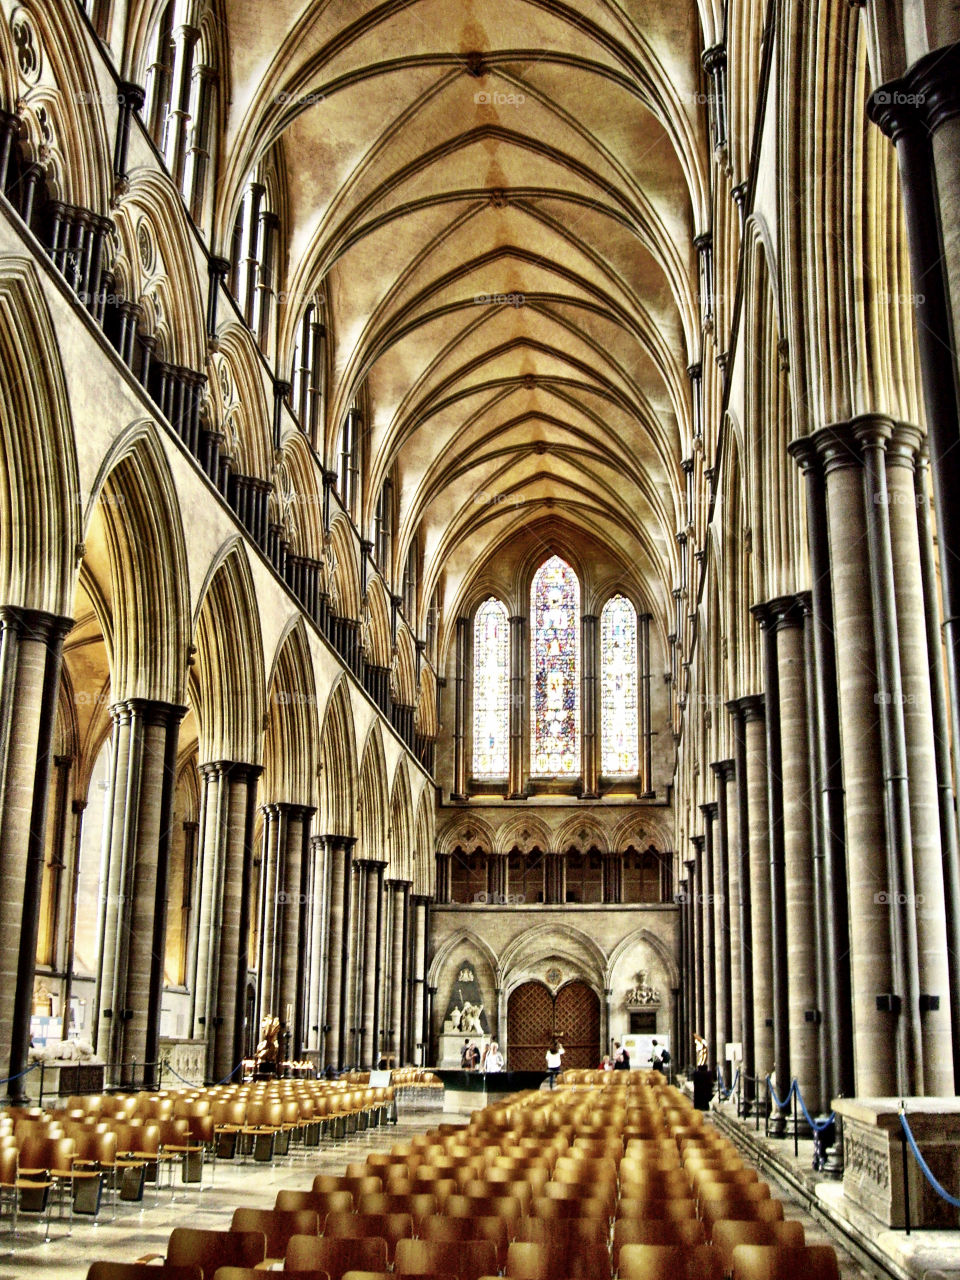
{"points": [[496, 203]]}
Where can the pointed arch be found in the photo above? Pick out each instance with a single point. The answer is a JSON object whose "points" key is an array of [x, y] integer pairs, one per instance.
{"points": [[582, 833], [249, 408], [377, 636], [338, 763], [524, 832], [555, 670], [405, 667], [40, 501], [401, 826], [345, 575], [424, 843], [136, 500], [466, 832], [291, 750], [230, 667], [374, 802]]}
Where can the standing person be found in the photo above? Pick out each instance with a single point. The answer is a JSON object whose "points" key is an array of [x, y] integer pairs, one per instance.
{"points": [[474, 1055], [466, 1057], [622, 1061], [493, 1058], [656, 1058], [554, 1062]]}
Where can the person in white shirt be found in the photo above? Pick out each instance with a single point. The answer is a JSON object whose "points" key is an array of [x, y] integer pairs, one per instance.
{"points": [[554, 1062], [493, 1059]]}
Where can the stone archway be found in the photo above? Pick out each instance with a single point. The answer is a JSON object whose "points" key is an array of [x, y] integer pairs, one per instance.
{"points": [[535, 1015]]}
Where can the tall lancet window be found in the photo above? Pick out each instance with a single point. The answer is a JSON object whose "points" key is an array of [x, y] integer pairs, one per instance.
{"points": [[619, 727], [491, 691], [555, 667]]}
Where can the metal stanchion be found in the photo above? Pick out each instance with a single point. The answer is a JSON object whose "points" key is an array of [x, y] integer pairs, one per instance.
{"points": [[906, 1180], [796, 1134]]}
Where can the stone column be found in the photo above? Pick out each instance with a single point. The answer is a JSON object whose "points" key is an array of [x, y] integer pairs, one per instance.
{"points": [[339, 853], [941, 740], [690, 957], [712, 892], [405, 1054], [871, 971], [591, 711], [750, 1066], [226, 860], [418, 975], [761, 935], [395, 892], [145, 745], [317, 911], [460, 712], [728, 1013], [646, 732], [372, 961], [517, 681], [699, 948], [496, 877], [920, 753], [291, 927], [612, 873], [788, 617], [681, 1048], [775, 844], [836, 1034], [185, 38], [31, 647]]}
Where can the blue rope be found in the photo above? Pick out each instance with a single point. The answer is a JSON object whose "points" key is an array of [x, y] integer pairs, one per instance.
{"points": [[726, 1093], [945, 1195], [782, 1106], [173, 1070], [32, 1067], [817, 1128]]}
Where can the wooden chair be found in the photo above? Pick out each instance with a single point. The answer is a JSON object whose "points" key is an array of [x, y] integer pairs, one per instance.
{"points": [[730, 1233], [357, 1185], [418, 1205], [553, 1207], [254, 1273], [390, 1227], [335, 1256], [537, 1260], [671, 1262], [447, 1230], [208, 1250], [778, 1262], [687, 1233], [140, 1271], [505, 1207], [467, 1260], [713, 1211], [278, 1225]]}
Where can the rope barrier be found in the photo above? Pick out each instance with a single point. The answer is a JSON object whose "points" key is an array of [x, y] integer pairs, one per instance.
{"points": [[944, 1195], [173, 1071], [817, 1128], [724, 1092], [32, 1067], [781, 1106]]}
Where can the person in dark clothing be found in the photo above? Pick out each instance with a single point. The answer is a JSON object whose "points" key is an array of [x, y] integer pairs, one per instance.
{"points": [[622, 1060]]}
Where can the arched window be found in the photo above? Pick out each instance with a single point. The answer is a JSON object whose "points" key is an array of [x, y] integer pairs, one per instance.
{"points": [[253, 252], [491, 691], [555, 667], [307, 380], [619, 727]]}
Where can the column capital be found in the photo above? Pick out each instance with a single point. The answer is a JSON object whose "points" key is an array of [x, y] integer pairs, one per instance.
{"points": [[698, 843], [35, 624], [934, 80], [714, 59], [837, 447], [905, 445], [780, 612], [750, 707], [893, 108], [724, 769], [709, 810], [131, 95], [803, 451], [872, 431], [150, 710]]}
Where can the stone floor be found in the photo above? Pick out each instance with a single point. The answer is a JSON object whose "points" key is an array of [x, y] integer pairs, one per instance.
{"points": [[133, 1234]]}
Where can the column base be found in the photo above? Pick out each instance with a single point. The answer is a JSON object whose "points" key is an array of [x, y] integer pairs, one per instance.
{"points": [[778, 1125]]}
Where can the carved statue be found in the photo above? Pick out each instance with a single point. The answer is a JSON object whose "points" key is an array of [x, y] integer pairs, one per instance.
{"points": [[471, 1019], [456, 1016], [268, 1050]]}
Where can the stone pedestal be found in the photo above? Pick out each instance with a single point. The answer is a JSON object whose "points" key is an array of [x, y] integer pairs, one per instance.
{"points": [[451, 1047], [873, 1158]]}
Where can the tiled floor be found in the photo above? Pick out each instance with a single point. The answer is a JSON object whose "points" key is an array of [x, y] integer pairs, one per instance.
{"points": [[133, 1234]]}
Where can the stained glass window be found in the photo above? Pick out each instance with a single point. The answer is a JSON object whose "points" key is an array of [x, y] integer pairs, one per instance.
{"points": [[620, 753], [555, 664], [491, 691]]}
